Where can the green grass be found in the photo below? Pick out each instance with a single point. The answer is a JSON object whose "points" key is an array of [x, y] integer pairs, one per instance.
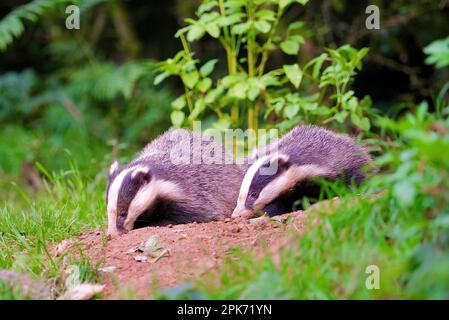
{"points": [[400, 225], [330, 259], [404, 232], [70, 205]]}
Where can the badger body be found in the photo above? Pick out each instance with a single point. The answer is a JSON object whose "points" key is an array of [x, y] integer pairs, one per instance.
{"points": [[282, 172], [159, 186]]}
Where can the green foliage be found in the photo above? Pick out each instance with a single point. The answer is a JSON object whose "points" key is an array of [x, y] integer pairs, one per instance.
{"points": [[68, 206], [248, 31], [66, 112], [400, 225], [12, 26], [438, 53]]}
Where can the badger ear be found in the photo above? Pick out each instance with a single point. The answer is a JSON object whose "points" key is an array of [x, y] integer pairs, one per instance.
{"points": [[115, 167], [142, 175], [281, 160]]}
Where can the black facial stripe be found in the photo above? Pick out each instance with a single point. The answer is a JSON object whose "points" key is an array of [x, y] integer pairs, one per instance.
{"points": [[258, 183], [127, 192]]}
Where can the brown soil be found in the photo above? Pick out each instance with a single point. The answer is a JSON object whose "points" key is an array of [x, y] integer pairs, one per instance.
{"points": [[193, 250]]}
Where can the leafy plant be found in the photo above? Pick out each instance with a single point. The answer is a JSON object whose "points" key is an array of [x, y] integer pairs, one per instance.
{"points": [[13, 25], [438, 53], [398, 221], [249, 30]]}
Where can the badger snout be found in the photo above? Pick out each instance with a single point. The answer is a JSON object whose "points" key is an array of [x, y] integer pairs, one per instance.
{"points": [[115, 232], [242, 212]]}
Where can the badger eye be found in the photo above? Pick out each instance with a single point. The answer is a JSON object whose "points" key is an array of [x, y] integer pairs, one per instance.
{"points": [[122, 213], [253, 194]]}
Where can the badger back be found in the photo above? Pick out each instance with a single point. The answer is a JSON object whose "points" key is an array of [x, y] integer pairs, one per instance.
{"points": [[205, 172], [307, 144]]}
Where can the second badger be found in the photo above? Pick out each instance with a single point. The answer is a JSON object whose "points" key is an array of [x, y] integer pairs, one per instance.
{"points": [[156, 186], [283, 172]]}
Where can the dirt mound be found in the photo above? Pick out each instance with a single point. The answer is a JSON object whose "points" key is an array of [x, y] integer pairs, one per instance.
{"points": [[173, 254]]}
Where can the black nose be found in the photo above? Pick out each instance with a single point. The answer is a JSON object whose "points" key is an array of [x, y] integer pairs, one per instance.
{"points": [[122, 230]]}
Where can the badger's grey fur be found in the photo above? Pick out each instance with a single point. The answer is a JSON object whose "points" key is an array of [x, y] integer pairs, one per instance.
{"points": [[158, 186], [304, 153]]}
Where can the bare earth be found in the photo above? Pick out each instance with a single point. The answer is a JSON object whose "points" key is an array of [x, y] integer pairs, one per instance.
{"points": [[190, 251]]}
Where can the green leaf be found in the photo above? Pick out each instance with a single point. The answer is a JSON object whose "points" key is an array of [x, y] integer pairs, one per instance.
{"points": [[365, 124], [240, 28], [208, 67], [199, 107], [196, 32], [266, 14], [160, 77], [190, 79], [213, 94], [213, 30], [177, 118], [341, 116], [438, 53], [290, 47], [294, 74], [317, 64], [262, 26], [295, 25], [204, 7], [253, 91], [179, 103], [204, 84], [239, 90], [291, 110], [270, 79], [284, 3], [223, 123]]}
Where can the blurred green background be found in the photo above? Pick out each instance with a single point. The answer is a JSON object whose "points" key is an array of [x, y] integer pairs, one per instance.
{"points": [[73, 100], [90, 91]]}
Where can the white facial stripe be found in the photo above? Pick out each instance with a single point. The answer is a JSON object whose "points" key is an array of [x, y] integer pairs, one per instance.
{"points": [[247, 179], [112, 200], [146, 196], [286, 181]]}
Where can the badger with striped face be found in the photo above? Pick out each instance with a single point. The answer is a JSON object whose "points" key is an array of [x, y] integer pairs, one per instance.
{"points": [[283, 171], [153, 189]]}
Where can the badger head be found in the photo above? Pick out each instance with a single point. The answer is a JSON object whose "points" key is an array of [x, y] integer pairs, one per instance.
{"points": [[130, 192], [267, 180]]}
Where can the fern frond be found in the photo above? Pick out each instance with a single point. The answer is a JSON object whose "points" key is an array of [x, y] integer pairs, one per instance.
{"points": [[12, 26], [107, 81]]}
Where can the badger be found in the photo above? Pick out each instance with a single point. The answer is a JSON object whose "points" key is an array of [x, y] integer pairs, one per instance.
{"points": [[283, 172], [156, 187]]}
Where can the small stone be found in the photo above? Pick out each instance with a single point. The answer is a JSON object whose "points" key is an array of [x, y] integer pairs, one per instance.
{"points": [[227, 220], [141, 258], [107, 269], [236, 229]]}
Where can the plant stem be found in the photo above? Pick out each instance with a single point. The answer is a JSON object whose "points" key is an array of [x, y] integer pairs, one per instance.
{"points": [[267, 45], [186, 48], [231, 57], [252, 115]]}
